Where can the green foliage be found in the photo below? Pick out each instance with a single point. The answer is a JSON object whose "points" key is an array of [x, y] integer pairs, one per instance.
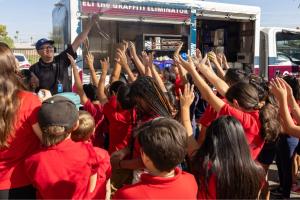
{"points": [[4, 36]]}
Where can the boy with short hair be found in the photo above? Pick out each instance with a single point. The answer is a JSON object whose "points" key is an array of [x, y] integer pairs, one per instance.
{"points": [[63, 168], [163, 147]]}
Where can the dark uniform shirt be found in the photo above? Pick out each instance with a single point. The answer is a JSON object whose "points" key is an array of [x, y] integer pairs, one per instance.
{"points": [[54, 73]]}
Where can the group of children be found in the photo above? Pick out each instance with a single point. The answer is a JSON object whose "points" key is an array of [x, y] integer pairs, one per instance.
{"points": [[154, 148]]}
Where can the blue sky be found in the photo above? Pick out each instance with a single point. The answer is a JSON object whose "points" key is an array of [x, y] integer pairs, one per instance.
{"points": [[33, 18]]}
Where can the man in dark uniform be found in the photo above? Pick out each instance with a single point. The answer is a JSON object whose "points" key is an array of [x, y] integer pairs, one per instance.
{"points": [[52, 71]]}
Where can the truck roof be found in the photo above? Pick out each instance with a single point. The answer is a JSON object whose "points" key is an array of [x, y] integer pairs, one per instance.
{"points": [[279, 29]]}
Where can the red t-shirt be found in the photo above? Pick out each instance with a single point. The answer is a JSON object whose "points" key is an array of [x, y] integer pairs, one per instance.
{"points": [[178, 85], [209, 115], [96, 110], [182, 186], [251, 124], [120, 124], [63, 171], [21, 145]]}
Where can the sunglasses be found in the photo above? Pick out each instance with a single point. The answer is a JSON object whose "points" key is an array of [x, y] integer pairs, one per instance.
{"points": [[46, 48]]}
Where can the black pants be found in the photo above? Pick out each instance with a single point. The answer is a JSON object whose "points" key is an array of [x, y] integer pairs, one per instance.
{"points": [[284, 159], [26, 192]]}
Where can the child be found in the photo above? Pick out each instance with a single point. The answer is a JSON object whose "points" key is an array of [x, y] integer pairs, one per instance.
{"points": [[63, 168], [86, 127], [243, 103], [223, 166], [91, 105], [163, 147]]}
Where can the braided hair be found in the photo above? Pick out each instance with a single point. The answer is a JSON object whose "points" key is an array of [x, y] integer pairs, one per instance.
{"points": [[149, 98]]}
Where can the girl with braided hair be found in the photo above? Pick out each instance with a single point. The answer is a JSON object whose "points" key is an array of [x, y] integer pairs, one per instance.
{"points": [[150, 103]]}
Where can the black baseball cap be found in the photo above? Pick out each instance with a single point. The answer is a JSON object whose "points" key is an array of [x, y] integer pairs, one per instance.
{"points": [[43, 41], [58, 111]]}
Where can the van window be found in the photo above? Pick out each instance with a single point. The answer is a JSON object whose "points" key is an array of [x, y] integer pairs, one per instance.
{"points": [[20, 58], [288, 46]]}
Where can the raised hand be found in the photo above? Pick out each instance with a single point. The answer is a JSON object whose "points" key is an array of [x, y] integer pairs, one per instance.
{"points": [[188, 65], [278, 88], [178, 49], [125, 44], [145, 59], [105, 64], [132, 49], [198, 54], [187, 98], [89, 60], [121, 57], [72, 61], [212, 56]]}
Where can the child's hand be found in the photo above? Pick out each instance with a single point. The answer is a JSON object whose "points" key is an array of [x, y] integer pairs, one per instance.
{"points": [[178, 49], [278, 88], [188, 65], [121, 57], [145, 58], [198, 54], [132, 48], [72, 61], [89, 60], [187, 98], [105, 64]]}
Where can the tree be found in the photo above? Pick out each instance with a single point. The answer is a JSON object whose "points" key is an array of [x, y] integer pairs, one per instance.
{"points": [[4, 36]]}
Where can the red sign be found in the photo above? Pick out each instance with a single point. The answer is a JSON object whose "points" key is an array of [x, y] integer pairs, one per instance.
{"points": [[126, 9]]}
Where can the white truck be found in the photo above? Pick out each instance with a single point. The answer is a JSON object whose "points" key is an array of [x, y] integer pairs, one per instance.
{"points": [[159, 25], [279, 52]]}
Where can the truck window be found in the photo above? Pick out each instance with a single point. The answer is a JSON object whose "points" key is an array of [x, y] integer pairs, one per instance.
{"points": [[288, 47]]}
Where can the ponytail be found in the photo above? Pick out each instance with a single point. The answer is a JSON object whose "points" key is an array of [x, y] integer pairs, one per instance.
{"points": [[270, 125]]}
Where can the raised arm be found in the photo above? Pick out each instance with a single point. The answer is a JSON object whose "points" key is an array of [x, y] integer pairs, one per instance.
{"points": [[293, 104], [101, 85], [136, 59], [280, 91], [122, 60], [115, 75], [182, 71], [212, 57], [186, 99], [155, 74], [206, 92], [83, 35], [90, 63], [78, 83], [219, 83], [146, 62]]}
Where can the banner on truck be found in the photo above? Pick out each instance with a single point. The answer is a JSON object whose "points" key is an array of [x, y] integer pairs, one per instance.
{"points": [[137, 10]]}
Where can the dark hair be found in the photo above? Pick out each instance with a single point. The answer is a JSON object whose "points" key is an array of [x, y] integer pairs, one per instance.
{"points": [[114, 87], [164, 141], [295, 85], [123, 97], [225, 153], [147, 90], [248, 98], [86, 127], [90, 91], [261, 85], [234, 75], [169, 76]]}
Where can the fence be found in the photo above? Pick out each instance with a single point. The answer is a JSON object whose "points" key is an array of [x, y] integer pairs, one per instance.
{"points": [[30, 54]]}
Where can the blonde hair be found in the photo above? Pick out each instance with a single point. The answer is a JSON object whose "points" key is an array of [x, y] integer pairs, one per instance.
{"points": [[86, 127]]}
